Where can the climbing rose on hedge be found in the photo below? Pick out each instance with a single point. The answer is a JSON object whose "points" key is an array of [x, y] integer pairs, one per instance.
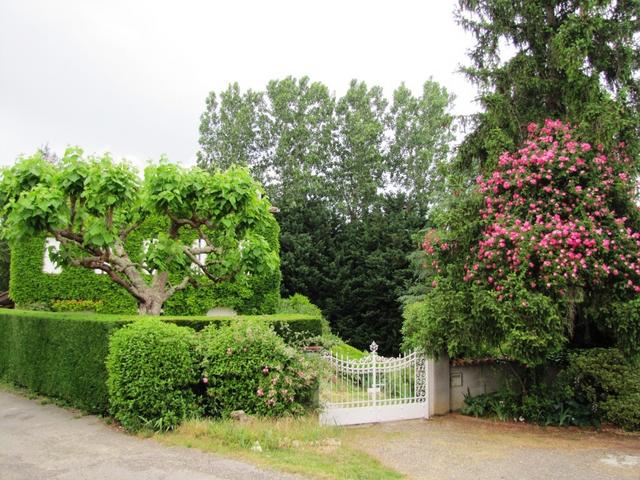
{"points": [[549, 215], [543, 251]]}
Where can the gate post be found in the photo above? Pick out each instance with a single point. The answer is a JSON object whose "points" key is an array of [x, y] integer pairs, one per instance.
{"points": [[438, 383], [374, 352]]}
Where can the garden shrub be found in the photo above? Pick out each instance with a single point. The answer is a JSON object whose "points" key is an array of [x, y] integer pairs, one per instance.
{"points": [[152, 373], [543, 405], [249, 367], [63, 354], [606, 381], [76, 305], [596, 385], [623, 410], [300, 304]]}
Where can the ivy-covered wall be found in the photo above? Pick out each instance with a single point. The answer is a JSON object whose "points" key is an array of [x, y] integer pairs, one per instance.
{"points": [[32, 289]]}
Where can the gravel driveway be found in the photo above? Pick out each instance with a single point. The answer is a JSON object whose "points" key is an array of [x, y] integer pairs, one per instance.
{"points": [[45, 442], [458, 447]]}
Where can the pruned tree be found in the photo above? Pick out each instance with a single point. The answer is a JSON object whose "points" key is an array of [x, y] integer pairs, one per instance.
{"points": [[92, 205]]}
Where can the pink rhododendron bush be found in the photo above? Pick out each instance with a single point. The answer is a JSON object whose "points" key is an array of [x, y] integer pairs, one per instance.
{"points": [[541, 252]]}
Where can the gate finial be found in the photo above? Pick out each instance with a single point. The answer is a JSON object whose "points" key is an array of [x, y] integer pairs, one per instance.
{"points": [[373, 347]]}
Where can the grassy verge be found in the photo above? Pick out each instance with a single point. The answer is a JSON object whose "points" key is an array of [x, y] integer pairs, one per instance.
{"points": [[293, 445]]}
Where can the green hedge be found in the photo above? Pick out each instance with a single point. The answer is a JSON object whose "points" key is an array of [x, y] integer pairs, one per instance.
{"points": [[32, 289], [63, 354]]}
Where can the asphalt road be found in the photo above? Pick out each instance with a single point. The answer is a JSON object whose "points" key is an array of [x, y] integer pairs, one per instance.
{"points": [[45, 442]]}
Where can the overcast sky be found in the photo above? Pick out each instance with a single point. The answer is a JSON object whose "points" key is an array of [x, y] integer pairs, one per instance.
{"points": [[131, 77]]}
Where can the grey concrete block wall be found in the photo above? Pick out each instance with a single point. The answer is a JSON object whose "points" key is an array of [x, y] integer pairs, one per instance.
{"points": [[474, 380]]}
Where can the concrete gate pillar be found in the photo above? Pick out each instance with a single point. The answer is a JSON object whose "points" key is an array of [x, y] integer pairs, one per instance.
{"points": [[438, 382]]}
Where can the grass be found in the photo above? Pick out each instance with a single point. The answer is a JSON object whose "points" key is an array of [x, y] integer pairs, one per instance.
{"points": [[295, 445]]}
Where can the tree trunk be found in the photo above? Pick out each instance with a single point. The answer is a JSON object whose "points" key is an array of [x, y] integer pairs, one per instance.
{"points": [[152, 306]]}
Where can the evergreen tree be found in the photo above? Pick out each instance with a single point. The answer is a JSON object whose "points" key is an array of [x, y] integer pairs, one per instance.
{"points": [[573, 60]]}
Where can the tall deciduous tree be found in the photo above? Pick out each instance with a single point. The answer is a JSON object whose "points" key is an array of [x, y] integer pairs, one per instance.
{"points": [[91, 206], [339, 167], [360, 148], [300, 126], [302, 142], [575, 60], [230, 128]]}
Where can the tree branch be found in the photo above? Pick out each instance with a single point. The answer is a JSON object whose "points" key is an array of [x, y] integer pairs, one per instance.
{"points": [[99, 264], [124, 233], [201, 250], [184, 221], [180, 286]]}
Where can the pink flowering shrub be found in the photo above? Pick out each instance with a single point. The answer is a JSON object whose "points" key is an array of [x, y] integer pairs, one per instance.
{"points": [[550, 215], [249, 367], [553, 231]]}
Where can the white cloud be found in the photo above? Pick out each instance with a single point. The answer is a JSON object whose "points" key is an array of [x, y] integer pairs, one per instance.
{"points": [[134, 75]]}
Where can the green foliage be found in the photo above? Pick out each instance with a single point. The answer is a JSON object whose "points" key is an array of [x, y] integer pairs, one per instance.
{"points": [[595, 385], [152, 370], [354, 271], [92, 206], [58, 354], [574, 61], [76, 306], [5, 261], [324, 161], [253, 295], [471, 321], [371, 272], [305, 144], [298, 303], [540, 254], [248, 367], [499, 404], [30, 285], [623, 320], [623, 410], [63, 354], [606, 381]]}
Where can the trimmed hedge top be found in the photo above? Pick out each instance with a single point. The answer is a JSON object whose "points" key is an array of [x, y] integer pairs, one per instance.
{"points": [[305, 325]]}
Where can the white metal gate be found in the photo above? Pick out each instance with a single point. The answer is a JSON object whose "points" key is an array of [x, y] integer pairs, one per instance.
{"points": [[373, 389]]}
